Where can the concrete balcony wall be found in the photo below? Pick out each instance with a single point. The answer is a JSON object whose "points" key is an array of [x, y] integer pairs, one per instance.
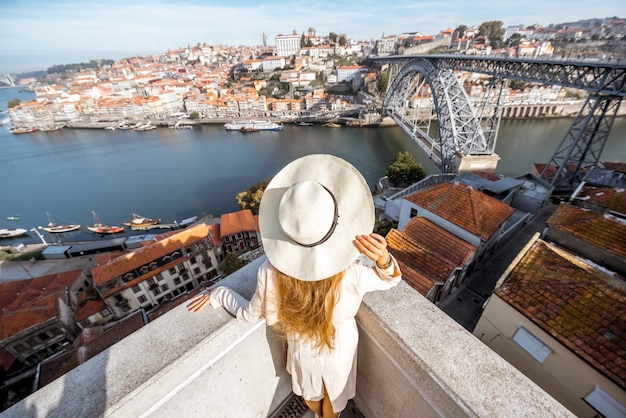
{"points": [[413, 360]]}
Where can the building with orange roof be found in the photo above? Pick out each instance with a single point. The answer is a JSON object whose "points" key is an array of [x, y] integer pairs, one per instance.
{"points": [[561, 320], [597, 236], [462, 210], [436, 260], [239, 231], [37, 315], [158, 271]]}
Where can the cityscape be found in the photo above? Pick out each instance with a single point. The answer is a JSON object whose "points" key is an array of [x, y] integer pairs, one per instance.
{"points": [[551, 267]]}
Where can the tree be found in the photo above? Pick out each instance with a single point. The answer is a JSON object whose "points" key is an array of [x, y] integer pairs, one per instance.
{"points": [[383, 81], [194, 115], [342, 40], [251, 198], [13, 103], [515, 39], [404, 170], [494, 31], [332, 36], [231, 264], [302, 41]]}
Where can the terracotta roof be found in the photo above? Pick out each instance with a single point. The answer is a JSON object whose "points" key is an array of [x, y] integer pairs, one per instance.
{"points": [[617, 166], [601, 230], [438, 241], [104, 272], [420, 269], [237, 222], [609, 197], [26, 303], [580, 306], [465, 207]]}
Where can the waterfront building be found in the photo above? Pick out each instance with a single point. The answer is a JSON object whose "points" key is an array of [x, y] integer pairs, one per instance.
{"points": [[239, 231], [160, 271], [273, 62], [557, 312], [559, 319], [470, 214], [352, 73], [37, 315], [433, 261], [287, 45]]}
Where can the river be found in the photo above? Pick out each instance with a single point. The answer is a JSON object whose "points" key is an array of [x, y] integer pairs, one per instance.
{"points": [[176, 174]]}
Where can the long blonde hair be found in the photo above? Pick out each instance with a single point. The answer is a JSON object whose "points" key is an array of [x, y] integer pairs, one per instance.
{"points": [[305, 308]]}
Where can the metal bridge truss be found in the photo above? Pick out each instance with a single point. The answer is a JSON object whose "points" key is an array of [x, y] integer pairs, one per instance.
{"points": [[582, 145], [462, 130]]}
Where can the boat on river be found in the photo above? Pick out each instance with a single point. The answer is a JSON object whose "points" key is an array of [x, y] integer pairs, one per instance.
{"points": [[12, 232], [253, 126], [23, 130], [332, 125], [13, 218], [99, 228], [141, 221], [55, 228]]}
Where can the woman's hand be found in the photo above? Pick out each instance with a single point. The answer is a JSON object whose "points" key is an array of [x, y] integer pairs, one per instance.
{"points": [[374, 247], [199, 301]]}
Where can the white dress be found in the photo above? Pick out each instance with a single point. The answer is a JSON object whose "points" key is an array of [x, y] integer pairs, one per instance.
{"points": [[309, 369]]}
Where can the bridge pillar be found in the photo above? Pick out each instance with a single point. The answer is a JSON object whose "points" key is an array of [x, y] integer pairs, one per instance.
{"points": [[465, 163]]}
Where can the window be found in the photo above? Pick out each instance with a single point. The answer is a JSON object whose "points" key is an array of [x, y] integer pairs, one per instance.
{"points": [[196, 271], [142, 299], [192, 260], [105, 312], [413, 213], [156, 291], [172, 271], [136, 288], [165, 287], [176, 281], [533, 345], [605, 403]]}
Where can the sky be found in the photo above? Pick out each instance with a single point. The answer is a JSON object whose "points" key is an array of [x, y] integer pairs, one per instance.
{"points": [[37, 34]]}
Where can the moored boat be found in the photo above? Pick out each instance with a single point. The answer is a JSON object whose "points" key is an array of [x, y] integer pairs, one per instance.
{"points": [[140, 221], [99, 228], [12, 232], [332, 125], [253, 126], [53, 227], [23, 130]]}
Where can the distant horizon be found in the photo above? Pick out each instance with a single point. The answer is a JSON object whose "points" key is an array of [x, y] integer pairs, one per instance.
{"points": [[44, 34]]}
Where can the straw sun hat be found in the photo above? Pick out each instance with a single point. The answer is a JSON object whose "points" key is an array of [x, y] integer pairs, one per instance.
{"points": [[310, 213]]}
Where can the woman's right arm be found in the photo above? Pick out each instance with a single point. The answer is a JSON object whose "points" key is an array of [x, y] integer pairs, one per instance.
{"points": [[233, 302]]}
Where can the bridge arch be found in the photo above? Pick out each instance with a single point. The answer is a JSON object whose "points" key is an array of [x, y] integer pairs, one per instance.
{"points": [[462, 141], [581, 147]]}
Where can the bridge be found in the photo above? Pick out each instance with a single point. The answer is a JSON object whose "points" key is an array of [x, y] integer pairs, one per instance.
{"points": [[467, 132]]}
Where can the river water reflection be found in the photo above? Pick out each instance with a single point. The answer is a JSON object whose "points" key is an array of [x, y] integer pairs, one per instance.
{"points": [[176, 174]]}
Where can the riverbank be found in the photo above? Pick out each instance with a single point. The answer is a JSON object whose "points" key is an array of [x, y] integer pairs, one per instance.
{"points": [[510, 112]]}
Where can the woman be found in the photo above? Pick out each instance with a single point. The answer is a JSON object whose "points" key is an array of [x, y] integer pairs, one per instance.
{"points": [[315, 217]]}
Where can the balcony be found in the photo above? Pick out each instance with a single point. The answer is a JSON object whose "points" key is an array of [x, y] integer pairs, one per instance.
{"points": [[413, 360]]}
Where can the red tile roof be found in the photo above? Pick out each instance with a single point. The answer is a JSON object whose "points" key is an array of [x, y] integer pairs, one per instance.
{"points": [[617, 166], [102, 273], [603, 231], [420, 269], [26, 303], [580, 306], [465, 207], [237, 222], [609, 197], [438, 241]]}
